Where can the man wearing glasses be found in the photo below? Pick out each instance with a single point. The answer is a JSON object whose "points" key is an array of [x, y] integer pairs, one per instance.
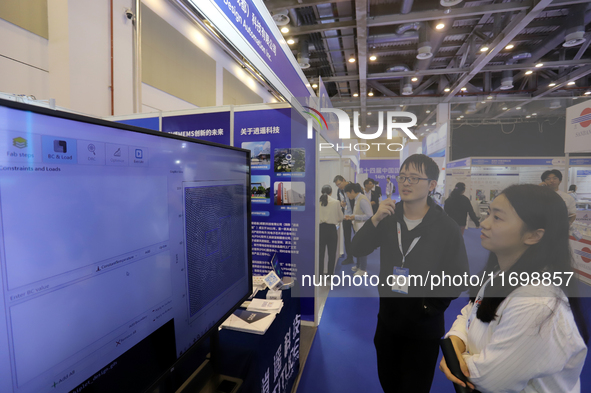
{"points": [[416, 238]]}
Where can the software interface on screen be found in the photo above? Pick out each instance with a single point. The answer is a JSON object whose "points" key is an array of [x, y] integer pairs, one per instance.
{"points": [[117, 249]]}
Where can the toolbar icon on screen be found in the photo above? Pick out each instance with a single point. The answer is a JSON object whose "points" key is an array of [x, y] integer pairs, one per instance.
{"points": [[19, 142], [60, 146]]}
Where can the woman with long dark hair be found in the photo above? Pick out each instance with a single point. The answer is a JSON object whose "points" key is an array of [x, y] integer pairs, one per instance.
{"points": [[526, 333], [330, 216], [458, 205]]}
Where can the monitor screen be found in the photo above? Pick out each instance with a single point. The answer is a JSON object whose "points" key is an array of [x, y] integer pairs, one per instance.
{"points": [[120, 248]]}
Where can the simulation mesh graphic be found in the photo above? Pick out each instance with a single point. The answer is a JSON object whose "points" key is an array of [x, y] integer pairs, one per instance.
{"points": [[215, 233]]}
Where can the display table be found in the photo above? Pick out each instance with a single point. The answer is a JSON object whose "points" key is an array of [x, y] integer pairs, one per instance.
{"points": [[266, 363]]}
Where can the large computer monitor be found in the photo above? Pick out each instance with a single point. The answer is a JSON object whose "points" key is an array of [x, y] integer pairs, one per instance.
{"points": [[120, 249]]}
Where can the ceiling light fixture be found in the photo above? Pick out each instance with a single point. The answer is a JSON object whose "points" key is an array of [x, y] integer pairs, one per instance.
{"points": [[355, 94], [571, 83], [458, 118], [552, 84], [314, 86], [484, 48], [534, 114], [587, 93], [373, 57], [369, 113], [539, 65], [489, 97], [461, 116], [414, 79], [440, 26], [464, 89], [483, 102], [290, 41], [446, 89], [284, 30], [518, 107], [528, 72], [370, 93], [527, 117], [505, 108], [510, 46], [427, 111], [352, 59]]}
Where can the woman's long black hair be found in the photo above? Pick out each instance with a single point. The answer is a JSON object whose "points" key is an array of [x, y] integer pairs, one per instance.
{"points": [[458, 190], [326, 191], [539, 208]]}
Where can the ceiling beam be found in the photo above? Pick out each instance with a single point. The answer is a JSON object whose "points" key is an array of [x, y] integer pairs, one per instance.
{"points": [[445, 71], [519, 22], [562, 82], [319, 28], [277, 5], [422, 16], [382, 89]]}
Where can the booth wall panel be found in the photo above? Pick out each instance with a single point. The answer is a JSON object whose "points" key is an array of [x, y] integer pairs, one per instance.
{"points": [[31, 15], [171, 63], [237, 93], [530, 139]]}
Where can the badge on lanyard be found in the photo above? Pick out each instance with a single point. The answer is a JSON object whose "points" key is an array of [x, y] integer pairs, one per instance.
{"points": [[400, 274], [400, 283]]}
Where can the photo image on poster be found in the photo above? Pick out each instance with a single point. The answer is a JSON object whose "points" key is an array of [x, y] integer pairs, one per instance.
{"points": [[260, 154], [260, 189], [290, 160], [480, 195], [494, 194], [288, 194]]}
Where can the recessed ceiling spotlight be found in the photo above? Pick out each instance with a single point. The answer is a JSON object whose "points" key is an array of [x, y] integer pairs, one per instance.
{"points": [[461, 116], [290, 41], [518, 107], [433, 123], [571, 83], [368, 126], [284, 30], [370, 94], [484, 48], [446, 89], [427, 111], [314, 86], [510, 46], [458, 118], [440, 26], [414, 79], [527, 117], [464, 89], [426, 124], [355, 94], [505, 108], [373, 57], [489, 97], [587, 93], [528, 72], [539, 65], [552, 84], [369, 113], [534, 114], [352, 59], [483, 102], [402, 106]]}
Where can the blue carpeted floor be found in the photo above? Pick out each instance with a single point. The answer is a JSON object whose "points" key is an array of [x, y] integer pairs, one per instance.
{"points": [[342, 357]]}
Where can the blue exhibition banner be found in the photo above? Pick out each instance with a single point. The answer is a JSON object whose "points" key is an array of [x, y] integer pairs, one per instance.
{"points": [[245, 16], [517, 161], [579, 161], [458, 164], [212, 127], [283, 191], [380, 170], [151, 123]]}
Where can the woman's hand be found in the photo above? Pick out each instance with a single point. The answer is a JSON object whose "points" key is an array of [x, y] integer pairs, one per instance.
{"points": [[460, 348]]}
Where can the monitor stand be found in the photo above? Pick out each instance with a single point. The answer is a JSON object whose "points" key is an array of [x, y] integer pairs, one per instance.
{"points": [[207, 379]]}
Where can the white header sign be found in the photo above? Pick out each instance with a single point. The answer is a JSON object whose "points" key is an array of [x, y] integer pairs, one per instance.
{"points": [[578, 128]]}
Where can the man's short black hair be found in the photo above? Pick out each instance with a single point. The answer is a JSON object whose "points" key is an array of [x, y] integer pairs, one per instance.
{"points": [[368, 181], [423, 164], [353, 187], [554, 172], [338, 178]]}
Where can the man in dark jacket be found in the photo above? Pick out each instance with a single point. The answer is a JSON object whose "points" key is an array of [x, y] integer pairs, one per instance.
{"points": [[372, 195], [410, 318]]}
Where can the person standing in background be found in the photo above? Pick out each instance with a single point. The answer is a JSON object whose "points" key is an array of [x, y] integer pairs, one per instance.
{"points": [[390, 189], [458, 205], [372, 195], [331, 215], [377, 188], [553, 179], [361, 213], [347, 208]]}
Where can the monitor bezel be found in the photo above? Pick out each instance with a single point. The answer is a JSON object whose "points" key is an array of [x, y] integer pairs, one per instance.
{"points": [[186, 356]]}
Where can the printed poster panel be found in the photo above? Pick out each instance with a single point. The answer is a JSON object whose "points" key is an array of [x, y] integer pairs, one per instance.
{"points": [[283, 191], [578, 128], [212, 127]]}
